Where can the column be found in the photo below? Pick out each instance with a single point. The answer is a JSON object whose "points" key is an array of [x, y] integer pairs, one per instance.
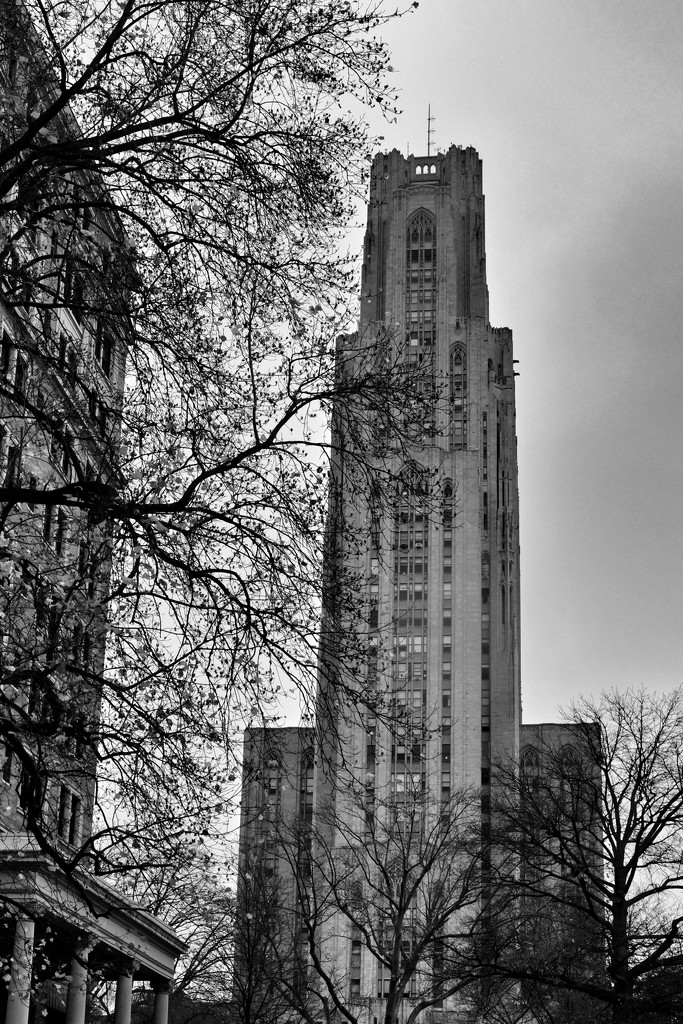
{"points": [[124, 993], [78, 985], [21, 967], [161, 995]]}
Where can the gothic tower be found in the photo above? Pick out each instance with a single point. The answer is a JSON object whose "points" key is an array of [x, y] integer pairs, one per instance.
{"points": [[437, 577], [424, 271], [419, 686]]}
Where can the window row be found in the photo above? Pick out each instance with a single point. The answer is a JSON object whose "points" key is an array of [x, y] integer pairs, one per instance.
{"points": [[69, 805]]}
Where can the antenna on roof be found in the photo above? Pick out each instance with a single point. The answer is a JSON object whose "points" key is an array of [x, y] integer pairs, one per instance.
{"points": [[430, 130]]}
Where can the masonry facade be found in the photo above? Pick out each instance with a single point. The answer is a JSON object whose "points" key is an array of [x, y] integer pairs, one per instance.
{"points": [[415, 713], [439, 690], [447, 585], [63, 335]]}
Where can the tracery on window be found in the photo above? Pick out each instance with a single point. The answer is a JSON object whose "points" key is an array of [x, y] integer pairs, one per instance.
{"points": [[529, 762], [420, 286], [458, 397]]}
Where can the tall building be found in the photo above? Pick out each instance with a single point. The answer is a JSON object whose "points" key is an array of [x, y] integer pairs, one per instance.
{"points": [[420, 664], [62, 365], [445, 586], [437, 567]]}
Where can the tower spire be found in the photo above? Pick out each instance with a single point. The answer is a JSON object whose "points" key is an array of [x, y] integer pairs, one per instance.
{"points": [[430, 130]]}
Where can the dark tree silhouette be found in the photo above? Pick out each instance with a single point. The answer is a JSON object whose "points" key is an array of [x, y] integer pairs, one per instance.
{"points": [[174, 179], [590, 909]]}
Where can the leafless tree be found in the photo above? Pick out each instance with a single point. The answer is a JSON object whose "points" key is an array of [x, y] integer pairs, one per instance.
{"points": [[174, 179], [589, 839], [385, 919]]}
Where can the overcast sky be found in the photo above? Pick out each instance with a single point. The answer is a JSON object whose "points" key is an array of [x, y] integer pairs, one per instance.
{"points": [[576, 109]]}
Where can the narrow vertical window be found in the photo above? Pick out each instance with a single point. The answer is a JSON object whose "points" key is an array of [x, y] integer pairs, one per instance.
{"points": [[420, 285], [6, 354], [47, 523], [60, 531], [458, 397]]}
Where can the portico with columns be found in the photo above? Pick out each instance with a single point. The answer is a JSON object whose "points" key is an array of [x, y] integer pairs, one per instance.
{"points": [[59, 930]]}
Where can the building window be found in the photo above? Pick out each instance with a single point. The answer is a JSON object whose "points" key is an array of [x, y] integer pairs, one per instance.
{"points": [[69, 820], [7, 765], [72, 371], [485, 458], [355, 964], [104, 349], [420, 295], [458, 397], [13, 472], [60, 531], [20, 378], [306, 803], [448, 506], [6, 354], [102, 418], [47, 523], [529, 763], [383, 981]]}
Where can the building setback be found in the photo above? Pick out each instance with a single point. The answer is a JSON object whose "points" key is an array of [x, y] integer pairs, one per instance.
{"points": [[446, 585], [420, 666], [437, 568]]}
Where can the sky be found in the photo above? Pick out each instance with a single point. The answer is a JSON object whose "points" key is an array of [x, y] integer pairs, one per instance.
{"points": [[576, 109]]}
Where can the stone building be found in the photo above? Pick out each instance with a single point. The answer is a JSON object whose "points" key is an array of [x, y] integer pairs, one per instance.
{"points": [[277, 785], [419, 706], [443, 572], [64, 279], [439, 566], [414, 716]]}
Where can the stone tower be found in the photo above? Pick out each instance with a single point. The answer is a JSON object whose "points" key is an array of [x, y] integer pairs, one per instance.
{"points": [[419, 672], [437, 578], [425, 272]]}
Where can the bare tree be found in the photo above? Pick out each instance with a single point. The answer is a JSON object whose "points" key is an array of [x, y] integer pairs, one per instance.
{"points": [[589, 839], [173, 180], [267, 955], [388, 919]]}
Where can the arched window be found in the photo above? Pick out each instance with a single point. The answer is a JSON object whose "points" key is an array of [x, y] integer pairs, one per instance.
{"points": [[458, 397], [529, 765], [529, 762], [420, 284], [306, 796]]}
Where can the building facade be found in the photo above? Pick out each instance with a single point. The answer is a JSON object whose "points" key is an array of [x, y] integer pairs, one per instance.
{"points": [[437, 567], [445, 577], [420, 654], [63, 289]]}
